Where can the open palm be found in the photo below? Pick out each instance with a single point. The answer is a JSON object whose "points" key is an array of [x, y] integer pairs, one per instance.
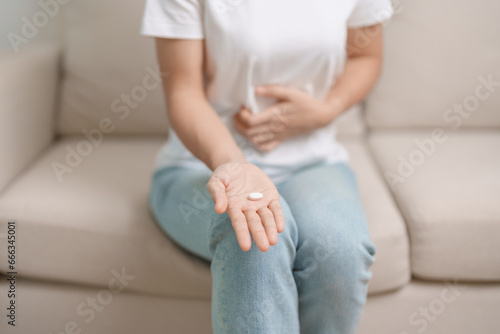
{"points": [[230, 185]]}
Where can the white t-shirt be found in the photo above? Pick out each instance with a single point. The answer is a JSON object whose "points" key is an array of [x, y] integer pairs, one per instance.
{"points": [[294, 43]]}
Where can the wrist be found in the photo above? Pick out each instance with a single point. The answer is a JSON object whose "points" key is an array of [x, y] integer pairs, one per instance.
{"points": [[334, 106], [235, 157], [329, 110]]}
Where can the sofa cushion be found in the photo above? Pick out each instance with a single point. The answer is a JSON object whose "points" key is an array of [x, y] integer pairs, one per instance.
{"points": [[438, 55], [442, 307], [97, 220], [387, 228], [55, 308], [94, 221], [420, 307], [447, 185], [351, 122]]}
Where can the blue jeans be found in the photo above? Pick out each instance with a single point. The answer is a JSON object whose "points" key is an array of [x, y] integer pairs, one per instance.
{"points": [[313, 281]]}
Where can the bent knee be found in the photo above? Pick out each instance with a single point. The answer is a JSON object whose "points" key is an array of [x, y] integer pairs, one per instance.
{"points": [[343, 260], [222, 235]]}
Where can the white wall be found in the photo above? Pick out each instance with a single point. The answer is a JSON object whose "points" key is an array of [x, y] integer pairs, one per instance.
{"points": [[18, 16]]}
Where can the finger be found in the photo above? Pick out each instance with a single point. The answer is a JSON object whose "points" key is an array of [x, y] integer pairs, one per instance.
{"points": [[275, 117], [257, 230], [239, 222], [252, 131], [217, 191], [281, 118], [240, 126], [269, 146], [238, 118], [262, 138], [267, 218], [260, 131], [276, 91], [250, 119], [243, 110], [279, 217]]}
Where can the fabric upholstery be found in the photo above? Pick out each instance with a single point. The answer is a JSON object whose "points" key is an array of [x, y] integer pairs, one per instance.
{"points": [[435, 53], [351, 122], [28, 86], [109, 70], [131, 313], [51, 307], [449, 197], [387, 228], [98, 219], [434, 308]]}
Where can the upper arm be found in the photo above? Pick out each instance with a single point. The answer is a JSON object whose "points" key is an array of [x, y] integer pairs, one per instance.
{"points": [[364, 35], [181, 64], [177, 26], [365, 41]]}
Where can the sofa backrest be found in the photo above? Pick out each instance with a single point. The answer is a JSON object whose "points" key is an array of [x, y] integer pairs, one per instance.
{"points": [[441, 57], [109, 71], [438, 52]]}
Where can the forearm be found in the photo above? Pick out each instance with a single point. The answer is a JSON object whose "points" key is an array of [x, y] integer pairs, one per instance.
{"points": [[201, 130], [193, 119], [352, 86]]}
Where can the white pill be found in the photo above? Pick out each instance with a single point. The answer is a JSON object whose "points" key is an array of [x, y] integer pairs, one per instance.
{"points": [[255, 196]]}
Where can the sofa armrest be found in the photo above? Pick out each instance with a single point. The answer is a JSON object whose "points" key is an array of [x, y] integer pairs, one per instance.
{"points": [[28, 88]]}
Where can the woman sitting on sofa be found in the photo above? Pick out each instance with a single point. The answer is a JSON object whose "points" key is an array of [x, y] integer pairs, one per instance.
{"points": [[251, 178]]}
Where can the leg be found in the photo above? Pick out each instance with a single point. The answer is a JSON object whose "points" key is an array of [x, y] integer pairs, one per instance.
{"points": [[183, 208], [334, 251], [252, 292]]}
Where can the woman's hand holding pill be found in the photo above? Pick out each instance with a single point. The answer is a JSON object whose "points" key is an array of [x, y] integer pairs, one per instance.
{"points": [[252, 202]]}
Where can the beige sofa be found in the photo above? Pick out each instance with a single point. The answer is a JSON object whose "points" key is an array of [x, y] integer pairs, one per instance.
{"points": [[82, 120]]}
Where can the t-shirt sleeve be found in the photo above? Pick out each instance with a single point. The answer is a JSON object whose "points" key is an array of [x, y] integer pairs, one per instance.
{"points": [[181, 19], [370, 12]]}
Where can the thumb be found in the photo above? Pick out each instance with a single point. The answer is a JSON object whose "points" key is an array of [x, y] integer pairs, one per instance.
{"points": [[217, 190], [282, 93]]}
